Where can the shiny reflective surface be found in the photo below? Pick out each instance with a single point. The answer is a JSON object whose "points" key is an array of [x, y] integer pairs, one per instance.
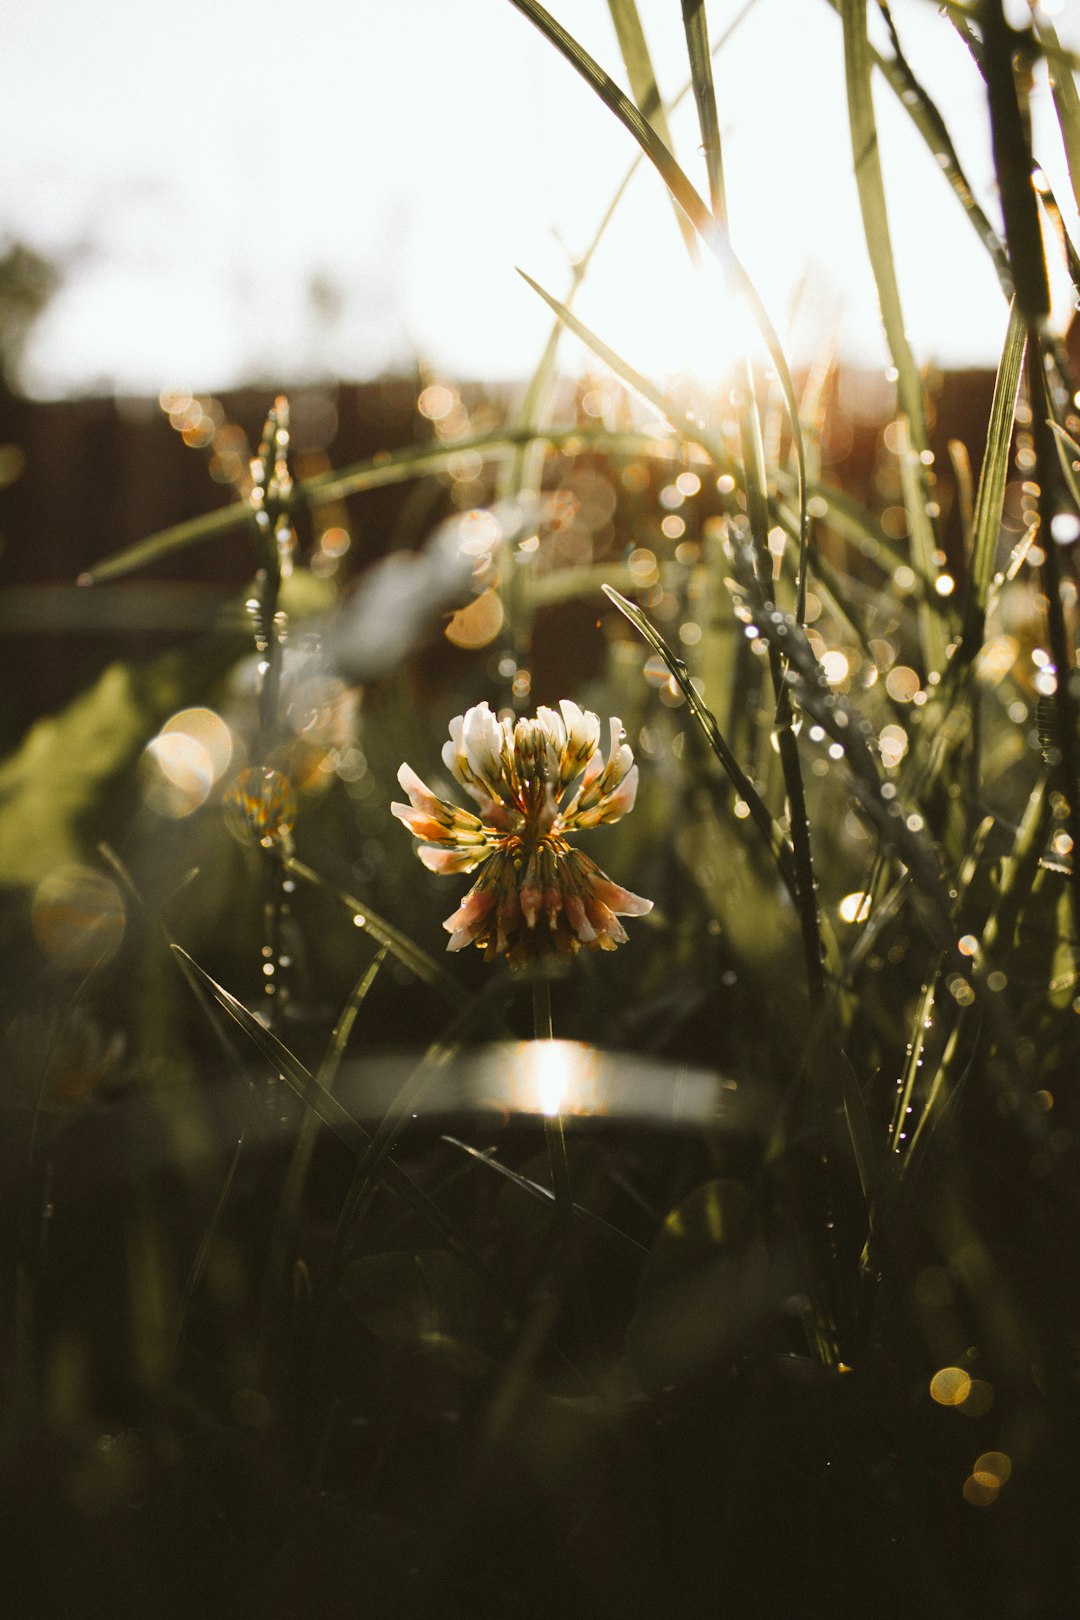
{"points": [[544, 1078]]}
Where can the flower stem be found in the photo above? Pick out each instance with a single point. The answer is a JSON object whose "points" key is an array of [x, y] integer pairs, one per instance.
{"points": [[553, 1123], [542, 1008]]}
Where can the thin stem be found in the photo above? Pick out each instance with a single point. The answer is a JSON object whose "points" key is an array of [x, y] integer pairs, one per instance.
{"points": [[542, 1030], [553, 1123]]}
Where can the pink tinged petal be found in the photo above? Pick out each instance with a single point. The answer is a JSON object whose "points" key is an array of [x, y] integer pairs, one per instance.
{"points": [[419, 824], [530, 895], [605, 922], [578, 920], [472, 914], [449, 861], [620, 901], [506, 917]]}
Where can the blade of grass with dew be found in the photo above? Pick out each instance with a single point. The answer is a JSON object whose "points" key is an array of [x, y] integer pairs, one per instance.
{"points": [[929, 123], [634, 50], [759, 812], [1011, 145], [1014, 888], [528, 413], [411, 955], [681, 420], [871, 190], [844, 514], [1068, 458], [990, 501], [607, 1234], [931, 609], [902, 833], [929, 998], [960, 462], [332, 1114], [1066, 100], [1060, 634], [438, 1054], [379, 471], [701, 77], [300, 1163], [197, 1269], [814, 949], [757, 499], [714, 238]]}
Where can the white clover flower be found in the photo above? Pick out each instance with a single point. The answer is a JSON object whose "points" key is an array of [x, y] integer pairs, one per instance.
{"points": [[536, 894]]}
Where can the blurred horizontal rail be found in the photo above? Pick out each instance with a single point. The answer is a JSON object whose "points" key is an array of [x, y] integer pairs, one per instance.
{"points": [[132, 609]]}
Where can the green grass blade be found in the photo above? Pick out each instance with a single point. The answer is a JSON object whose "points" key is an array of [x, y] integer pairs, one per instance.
{"points": [[1068, 456], [308, 1134], [165, 542], [706, 720], [701, 74], [379, 471], [1011, 145], [858, 1124], [931, 126], [604, 1231], [990, 500], [871, 190], [713, 236], [634, 49], [400, 945], [329, 1110], [682, 422], [1066, 99]]}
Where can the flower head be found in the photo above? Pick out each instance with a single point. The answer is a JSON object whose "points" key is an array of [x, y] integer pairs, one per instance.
{"points": [[533, 782]]}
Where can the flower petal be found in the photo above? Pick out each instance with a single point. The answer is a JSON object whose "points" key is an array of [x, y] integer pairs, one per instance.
{"points": [[447, 861]]}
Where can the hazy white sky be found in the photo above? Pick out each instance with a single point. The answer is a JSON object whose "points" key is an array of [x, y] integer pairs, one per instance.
{"points": [[201, 167]]}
